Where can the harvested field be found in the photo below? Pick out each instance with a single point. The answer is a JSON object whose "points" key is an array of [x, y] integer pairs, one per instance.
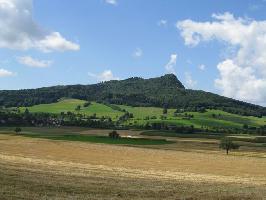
{"points": [[33, 168]]}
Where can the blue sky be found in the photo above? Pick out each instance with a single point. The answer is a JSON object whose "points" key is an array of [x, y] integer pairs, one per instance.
{"points": [[84, 42]]}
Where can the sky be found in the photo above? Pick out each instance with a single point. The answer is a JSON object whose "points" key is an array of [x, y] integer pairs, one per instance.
{"points": [[213, 45]]}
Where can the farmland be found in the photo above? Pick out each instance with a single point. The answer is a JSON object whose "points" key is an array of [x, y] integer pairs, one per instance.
{"points": [[143, 115], [191, 168], [80, 162], [132, 100], [69, 105]]}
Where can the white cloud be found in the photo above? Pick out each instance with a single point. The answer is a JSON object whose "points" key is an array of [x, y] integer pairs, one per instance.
{"points": [[5, 73], [29, 61], [170, 66], [243, 72], [202, 67], [106, 75], [162, 22], [239, 82], [190, 83], [112, 2], [55, 42], [19, 30], [138, 53]]}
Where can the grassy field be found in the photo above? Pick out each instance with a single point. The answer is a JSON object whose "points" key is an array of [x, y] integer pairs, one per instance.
{"points": [[190, 168], [183, 135], [83, 135], [207, 119], [70, 105], [254, 145], [101, 139], [221, 119], [142, 112]]}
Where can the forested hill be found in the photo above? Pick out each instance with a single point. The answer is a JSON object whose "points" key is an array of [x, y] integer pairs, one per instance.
{"points": [[165, 91]]}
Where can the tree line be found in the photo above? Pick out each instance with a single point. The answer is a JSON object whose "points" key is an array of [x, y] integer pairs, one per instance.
{"points": [[165, 92]]}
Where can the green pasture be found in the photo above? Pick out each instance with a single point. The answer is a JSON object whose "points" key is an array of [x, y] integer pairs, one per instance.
{"points": [[143, 115], [70, 105]]}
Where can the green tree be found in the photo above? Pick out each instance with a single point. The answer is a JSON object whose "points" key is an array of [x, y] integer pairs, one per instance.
{"points": [[17, 130], [78, 108], [245, 126], [114, 135], [165, 110], [86, 104], [227, 144], [26, 112]]}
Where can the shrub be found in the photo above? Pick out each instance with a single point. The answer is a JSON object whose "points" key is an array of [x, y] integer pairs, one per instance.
{"points": [[114, 135], [86, 104], [17, 130], [78, 108]]}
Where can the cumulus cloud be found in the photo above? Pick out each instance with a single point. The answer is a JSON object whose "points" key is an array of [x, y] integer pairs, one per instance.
{"points": [[138, 53], [202, 67], [240, 82], [31, 62], [243, 72], [112, 2], [190, 83], [5, 73], [162, 22], [170, 66], [20, 31], [106, 75]]}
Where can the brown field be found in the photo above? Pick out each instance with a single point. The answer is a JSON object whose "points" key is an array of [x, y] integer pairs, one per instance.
{"points": [[33, 168]]}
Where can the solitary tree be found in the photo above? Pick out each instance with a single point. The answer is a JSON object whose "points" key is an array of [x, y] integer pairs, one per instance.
{"points": [[165, 110], [86, 104], [228, 144], [245, 126], [18, 130], [114, 135], [78, 108], [26, 112]]}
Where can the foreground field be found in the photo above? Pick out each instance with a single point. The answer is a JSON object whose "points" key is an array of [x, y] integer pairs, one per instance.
{"points": [[32, 168]]}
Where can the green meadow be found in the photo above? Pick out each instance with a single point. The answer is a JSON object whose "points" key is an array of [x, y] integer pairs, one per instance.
{"points": [[69, 105], [143, 115], [102, 139]]}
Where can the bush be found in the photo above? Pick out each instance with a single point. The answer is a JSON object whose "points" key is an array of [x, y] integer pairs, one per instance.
{"points": [[78, 108], [17, 130], [87, 104], [114, 135]]}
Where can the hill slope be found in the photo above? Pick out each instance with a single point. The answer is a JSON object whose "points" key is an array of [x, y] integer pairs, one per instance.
{"points": [[165, 91], [69, 105], [143, 115]]}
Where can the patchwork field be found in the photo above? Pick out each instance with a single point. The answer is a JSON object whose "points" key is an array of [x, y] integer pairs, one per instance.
{"points": [[189, 168], [211, 118]]}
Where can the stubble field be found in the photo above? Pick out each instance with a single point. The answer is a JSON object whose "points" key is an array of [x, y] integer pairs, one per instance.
{"points": [[32, 168]]}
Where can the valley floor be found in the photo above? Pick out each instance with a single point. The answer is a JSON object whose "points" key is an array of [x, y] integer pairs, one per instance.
{"points": [[33, 168]]}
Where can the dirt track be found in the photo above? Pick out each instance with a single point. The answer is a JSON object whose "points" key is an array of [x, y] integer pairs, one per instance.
{"points": [[207, 174]]}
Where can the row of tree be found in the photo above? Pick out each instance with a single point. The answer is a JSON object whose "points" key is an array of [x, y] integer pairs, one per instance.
{"points": [[10, 118]]}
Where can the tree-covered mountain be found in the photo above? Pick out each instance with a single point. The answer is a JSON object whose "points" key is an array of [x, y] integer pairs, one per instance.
{"points": [[165, 91]]}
